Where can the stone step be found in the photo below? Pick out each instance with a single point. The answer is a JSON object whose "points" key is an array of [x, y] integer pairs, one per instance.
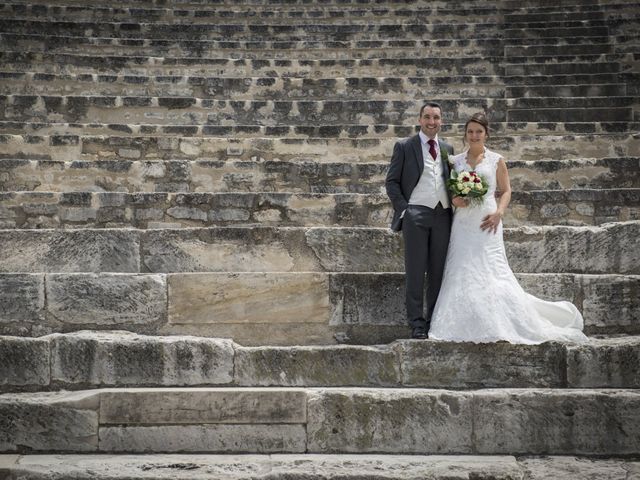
{"points": [[264, 88], [298, 133], [325, 420], [55, 63], [556, 22], [581, 90], [561, 50], [90, 359], [544, 30], [570, 114], [609, 248], [264, 48], [224, 67], [299, 175], [385, 29], [310, 466], [268, 10], [248, 14], [534, 68], [575, 13], [591, 102], [285, 308], [276, 4], [209, 111], [624, 60], [318, 23], [576, 10], [258, 50], [371, 147], [197, 111], [271, 88], [36, 210]]}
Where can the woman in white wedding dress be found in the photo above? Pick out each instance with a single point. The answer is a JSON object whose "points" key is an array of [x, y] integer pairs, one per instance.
{"points": [[480, 299]]}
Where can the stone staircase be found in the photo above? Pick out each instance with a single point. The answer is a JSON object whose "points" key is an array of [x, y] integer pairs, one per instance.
{"points": [[197, 279]]}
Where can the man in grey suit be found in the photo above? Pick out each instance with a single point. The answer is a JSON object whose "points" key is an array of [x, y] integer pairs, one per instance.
{"points": [[416, 185]]}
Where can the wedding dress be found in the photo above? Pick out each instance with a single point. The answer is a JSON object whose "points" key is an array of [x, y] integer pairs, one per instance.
{"points": [[480, 299]]}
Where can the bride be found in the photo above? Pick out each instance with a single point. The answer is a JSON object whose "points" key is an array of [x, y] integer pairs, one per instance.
{"points": [[481, 299]]}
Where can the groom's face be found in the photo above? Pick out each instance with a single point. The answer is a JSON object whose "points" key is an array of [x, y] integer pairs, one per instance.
{"points": [[430, 121]]}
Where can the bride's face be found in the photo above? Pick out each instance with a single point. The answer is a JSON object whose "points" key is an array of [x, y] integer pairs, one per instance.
{"points": [[475, 134]]}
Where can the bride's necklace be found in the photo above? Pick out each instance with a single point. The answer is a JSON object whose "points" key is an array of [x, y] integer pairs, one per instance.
{"points": [[479, 158]]}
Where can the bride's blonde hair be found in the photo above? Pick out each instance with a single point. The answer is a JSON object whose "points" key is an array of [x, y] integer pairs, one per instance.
{"points": [[480, 118]]}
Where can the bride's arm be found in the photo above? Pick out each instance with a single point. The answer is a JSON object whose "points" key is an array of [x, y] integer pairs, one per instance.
{"points": [[491, 222]]}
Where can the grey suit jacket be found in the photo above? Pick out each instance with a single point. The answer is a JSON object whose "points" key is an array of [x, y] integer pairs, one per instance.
{"points": [[407, 165]]}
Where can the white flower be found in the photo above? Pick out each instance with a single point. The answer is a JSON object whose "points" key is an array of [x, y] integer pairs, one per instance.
{"points": [[465, 190]]}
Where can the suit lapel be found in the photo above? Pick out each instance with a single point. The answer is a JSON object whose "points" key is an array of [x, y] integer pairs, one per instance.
{"points": [[445, 165], [417, 149]]}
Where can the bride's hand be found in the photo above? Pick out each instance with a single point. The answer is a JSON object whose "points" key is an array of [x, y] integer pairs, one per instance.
{"points": [[491, 222], [459, 202]]}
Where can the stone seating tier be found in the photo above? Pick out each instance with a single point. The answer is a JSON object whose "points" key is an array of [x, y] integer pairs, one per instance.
{"points": [[307, 466], [309, 308], [274, 88], [295, 176], [87, 359], [309, 420], [576, 207], [195, 253]]}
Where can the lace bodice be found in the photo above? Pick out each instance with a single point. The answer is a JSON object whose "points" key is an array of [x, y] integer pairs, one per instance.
{"points": [[471, 216]]}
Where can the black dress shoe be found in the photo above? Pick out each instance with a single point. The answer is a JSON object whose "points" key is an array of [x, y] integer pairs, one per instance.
{"points": [[419, 333]]}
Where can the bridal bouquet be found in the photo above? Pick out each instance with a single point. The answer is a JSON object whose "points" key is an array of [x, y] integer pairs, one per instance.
{"points": [[468, 185]]}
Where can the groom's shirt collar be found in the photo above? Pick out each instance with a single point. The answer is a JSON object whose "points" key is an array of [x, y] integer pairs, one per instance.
{"points": [[424, 139]]}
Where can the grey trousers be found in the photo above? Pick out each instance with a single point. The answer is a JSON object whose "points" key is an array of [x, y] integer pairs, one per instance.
{"points": [[426, 234]]}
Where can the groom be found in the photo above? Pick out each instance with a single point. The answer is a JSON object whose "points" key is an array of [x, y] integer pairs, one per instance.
{"points": [[416, 185]]}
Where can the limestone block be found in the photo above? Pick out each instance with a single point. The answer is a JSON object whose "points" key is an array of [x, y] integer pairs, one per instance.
{"points": [[187, 213], [265, 467], [60, 421], [470, 365], [204, 438], [362, 299], [612, 302], [129, 153], [141, 406], [389, 421], [432, 467], [229, 215], [570, 468], [248, 298], [21, 299], [24, 361], [575, 249], [117, 199], [107, 300], [269, 216], [232, 249], [69, 251], [127, 359], [604, 363], [321, 366], [357, 249], [77, 214], [311, 209], [582, 422], [552, 286], [259, 334]]}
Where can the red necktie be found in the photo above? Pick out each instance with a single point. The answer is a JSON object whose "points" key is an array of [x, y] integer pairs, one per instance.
{"points": [[432, 148]]}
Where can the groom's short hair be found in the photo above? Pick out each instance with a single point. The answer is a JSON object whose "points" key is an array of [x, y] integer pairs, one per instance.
{"points": [[432, 105]]}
